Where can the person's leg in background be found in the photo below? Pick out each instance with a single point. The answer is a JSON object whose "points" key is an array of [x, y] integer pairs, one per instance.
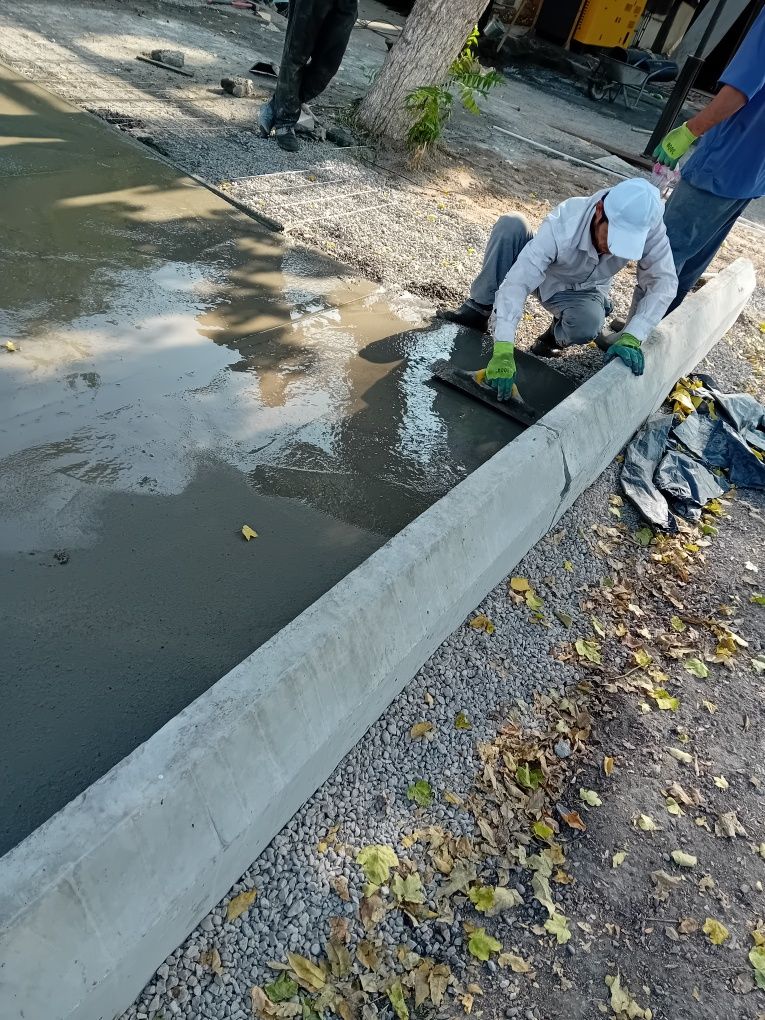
{"points": [[508, 237], [331, 42], [304, 21], [697, 223], [578, 317]]}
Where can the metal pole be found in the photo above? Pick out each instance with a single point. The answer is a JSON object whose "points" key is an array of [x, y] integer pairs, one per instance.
{"points": [[683, 85], [666, 27]]}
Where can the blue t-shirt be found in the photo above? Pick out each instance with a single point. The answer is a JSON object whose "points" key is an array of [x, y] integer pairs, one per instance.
{"points": [[729, 160]]}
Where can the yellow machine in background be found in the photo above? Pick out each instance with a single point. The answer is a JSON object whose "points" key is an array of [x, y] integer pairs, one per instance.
{"points": [[608, 22]]}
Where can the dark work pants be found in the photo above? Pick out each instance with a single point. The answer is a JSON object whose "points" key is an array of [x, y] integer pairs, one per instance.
{"points": [[317, 36], [697, 223]]}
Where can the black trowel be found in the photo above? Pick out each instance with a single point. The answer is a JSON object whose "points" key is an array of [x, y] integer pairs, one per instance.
{"points": [[474, 385]]}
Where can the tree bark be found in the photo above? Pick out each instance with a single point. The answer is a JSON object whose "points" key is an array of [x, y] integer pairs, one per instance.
{"points": [[433, 35]]}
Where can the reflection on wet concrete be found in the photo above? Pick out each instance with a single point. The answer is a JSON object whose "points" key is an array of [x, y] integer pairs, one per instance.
{"points": [[179, 374]]}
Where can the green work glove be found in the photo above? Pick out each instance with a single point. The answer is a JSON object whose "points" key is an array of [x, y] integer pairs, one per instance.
{"points": [[500, 372], [627, 347], [674, 145]]}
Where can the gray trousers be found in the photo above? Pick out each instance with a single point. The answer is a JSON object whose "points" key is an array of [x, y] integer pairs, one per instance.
{"points": [[697, 223], [578, 314]]}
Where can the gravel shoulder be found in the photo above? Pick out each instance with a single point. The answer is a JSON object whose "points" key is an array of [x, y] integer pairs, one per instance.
{"points": [[423, 232]]}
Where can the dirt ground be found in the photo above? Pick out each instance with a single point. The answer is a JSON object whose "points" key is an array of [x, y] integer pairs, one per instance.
{"points": [[683, 775]]}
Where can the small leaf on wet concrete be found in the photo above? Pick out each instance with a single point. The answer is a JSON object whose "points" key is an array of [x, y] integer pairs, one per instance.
{"points": [[608, 765], [715, 931], [420, 792], [481, 945], [619, 858], [697, 667], [721, 782], [516, 963], [281, 989], [10, 346], [248, 532], [646, 824], [557, 925], [461, 722], [519, 584], [420, 729], [482, 622], [684, 860], [376, 861], [590, 797], [682, 756], [240, 904], [308, 975]]}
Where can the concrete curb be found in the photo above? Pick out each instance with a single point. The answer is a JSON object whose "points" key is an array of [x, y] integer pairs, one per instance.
{"points": [[95, 899]]}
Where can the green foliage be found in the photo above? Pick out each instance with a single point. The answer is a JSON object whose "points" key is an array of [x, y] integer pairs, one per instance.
{"points": [[432, 105]]}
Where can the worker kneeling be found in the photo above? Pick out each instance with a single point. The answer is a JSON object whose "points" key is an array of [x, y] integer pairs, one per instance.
{"points": [[569, 264]]}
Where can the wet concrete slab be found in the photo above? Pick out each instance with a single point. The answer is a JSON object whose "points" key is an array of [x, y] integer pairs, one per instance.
{"points": [[179, 373]]}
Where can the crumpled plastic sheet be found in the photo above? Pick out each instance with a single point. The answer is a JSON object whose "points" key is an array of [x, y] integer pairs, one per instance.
{"points": [[640, 462], [667, 466]]}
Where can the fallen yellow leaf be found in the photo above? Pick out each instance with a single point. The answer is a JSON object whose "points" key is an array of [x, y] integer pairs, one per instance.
{"points": [[519, 584], [420, 729], [715, 931], [482, 622], [248, 532], [240, 904], [10, 346]]}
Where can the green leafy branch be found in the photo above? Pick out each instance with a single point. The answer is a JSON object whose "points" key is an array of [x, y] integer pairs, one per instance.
{"points": [[432, 105]]}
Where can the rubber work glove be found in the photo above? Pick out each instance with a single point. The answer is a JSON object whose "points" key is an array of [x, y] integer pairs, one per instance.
{"points": [[674, 145], [627, 347], [500, 372]]}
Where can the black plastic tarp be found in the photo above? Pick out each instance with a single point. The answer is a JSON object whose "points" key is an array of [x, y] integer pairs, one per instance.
{"points": [[676, 466]]}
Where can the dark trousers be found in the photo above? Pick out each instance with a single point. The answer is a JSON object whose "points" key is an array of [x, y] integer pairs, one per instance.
{"points": [[697, 223], [317, 36]]}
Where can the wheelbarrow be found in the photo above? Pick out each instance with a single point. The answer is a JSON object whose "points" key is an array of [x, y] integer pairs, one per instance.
{"points": [[613, 76]]}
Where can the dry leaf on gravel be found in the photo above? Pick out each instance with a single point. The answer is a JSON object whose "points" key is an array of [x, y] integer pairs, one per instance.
{"points": [[307, 974], [557, 925], [728, 826], [684, 860], [420, 729], [590, 797], [622, 1003], [240, 904], [340, 885], [646, 824], [516, 963], [482, 622], [715, 931], [211, 958], [664, 884], [481, 945]]}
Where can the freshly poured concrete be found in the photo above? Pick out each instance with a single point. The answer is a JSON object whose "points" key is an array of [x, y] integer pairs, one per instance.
{"points": [[180, 373]]}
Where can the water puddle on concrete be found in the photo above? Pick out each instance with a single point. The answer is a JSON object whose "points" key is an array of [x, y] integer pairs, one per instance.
{"points": [[180, 373]]}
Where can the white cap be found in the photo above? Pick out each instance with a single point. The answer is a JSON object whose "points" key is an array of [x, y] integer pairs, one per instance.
{"points": [[632, 208]]}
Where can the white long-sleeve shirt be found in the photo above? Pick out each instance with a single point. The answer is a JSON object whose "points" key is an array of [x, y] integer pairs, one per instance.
{"points": [[561, 256]]}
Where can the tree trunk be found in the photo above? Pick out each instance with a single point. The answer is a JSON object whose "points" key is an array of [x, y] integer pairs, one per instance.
{"points": [[433, 36]]}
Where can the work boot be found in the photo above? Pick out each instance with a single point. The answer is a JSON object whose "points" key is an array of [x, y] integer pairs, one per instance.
{"points": [[287, 140], [546, 346], [617, 325], [266, 118], [474, 316]]}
